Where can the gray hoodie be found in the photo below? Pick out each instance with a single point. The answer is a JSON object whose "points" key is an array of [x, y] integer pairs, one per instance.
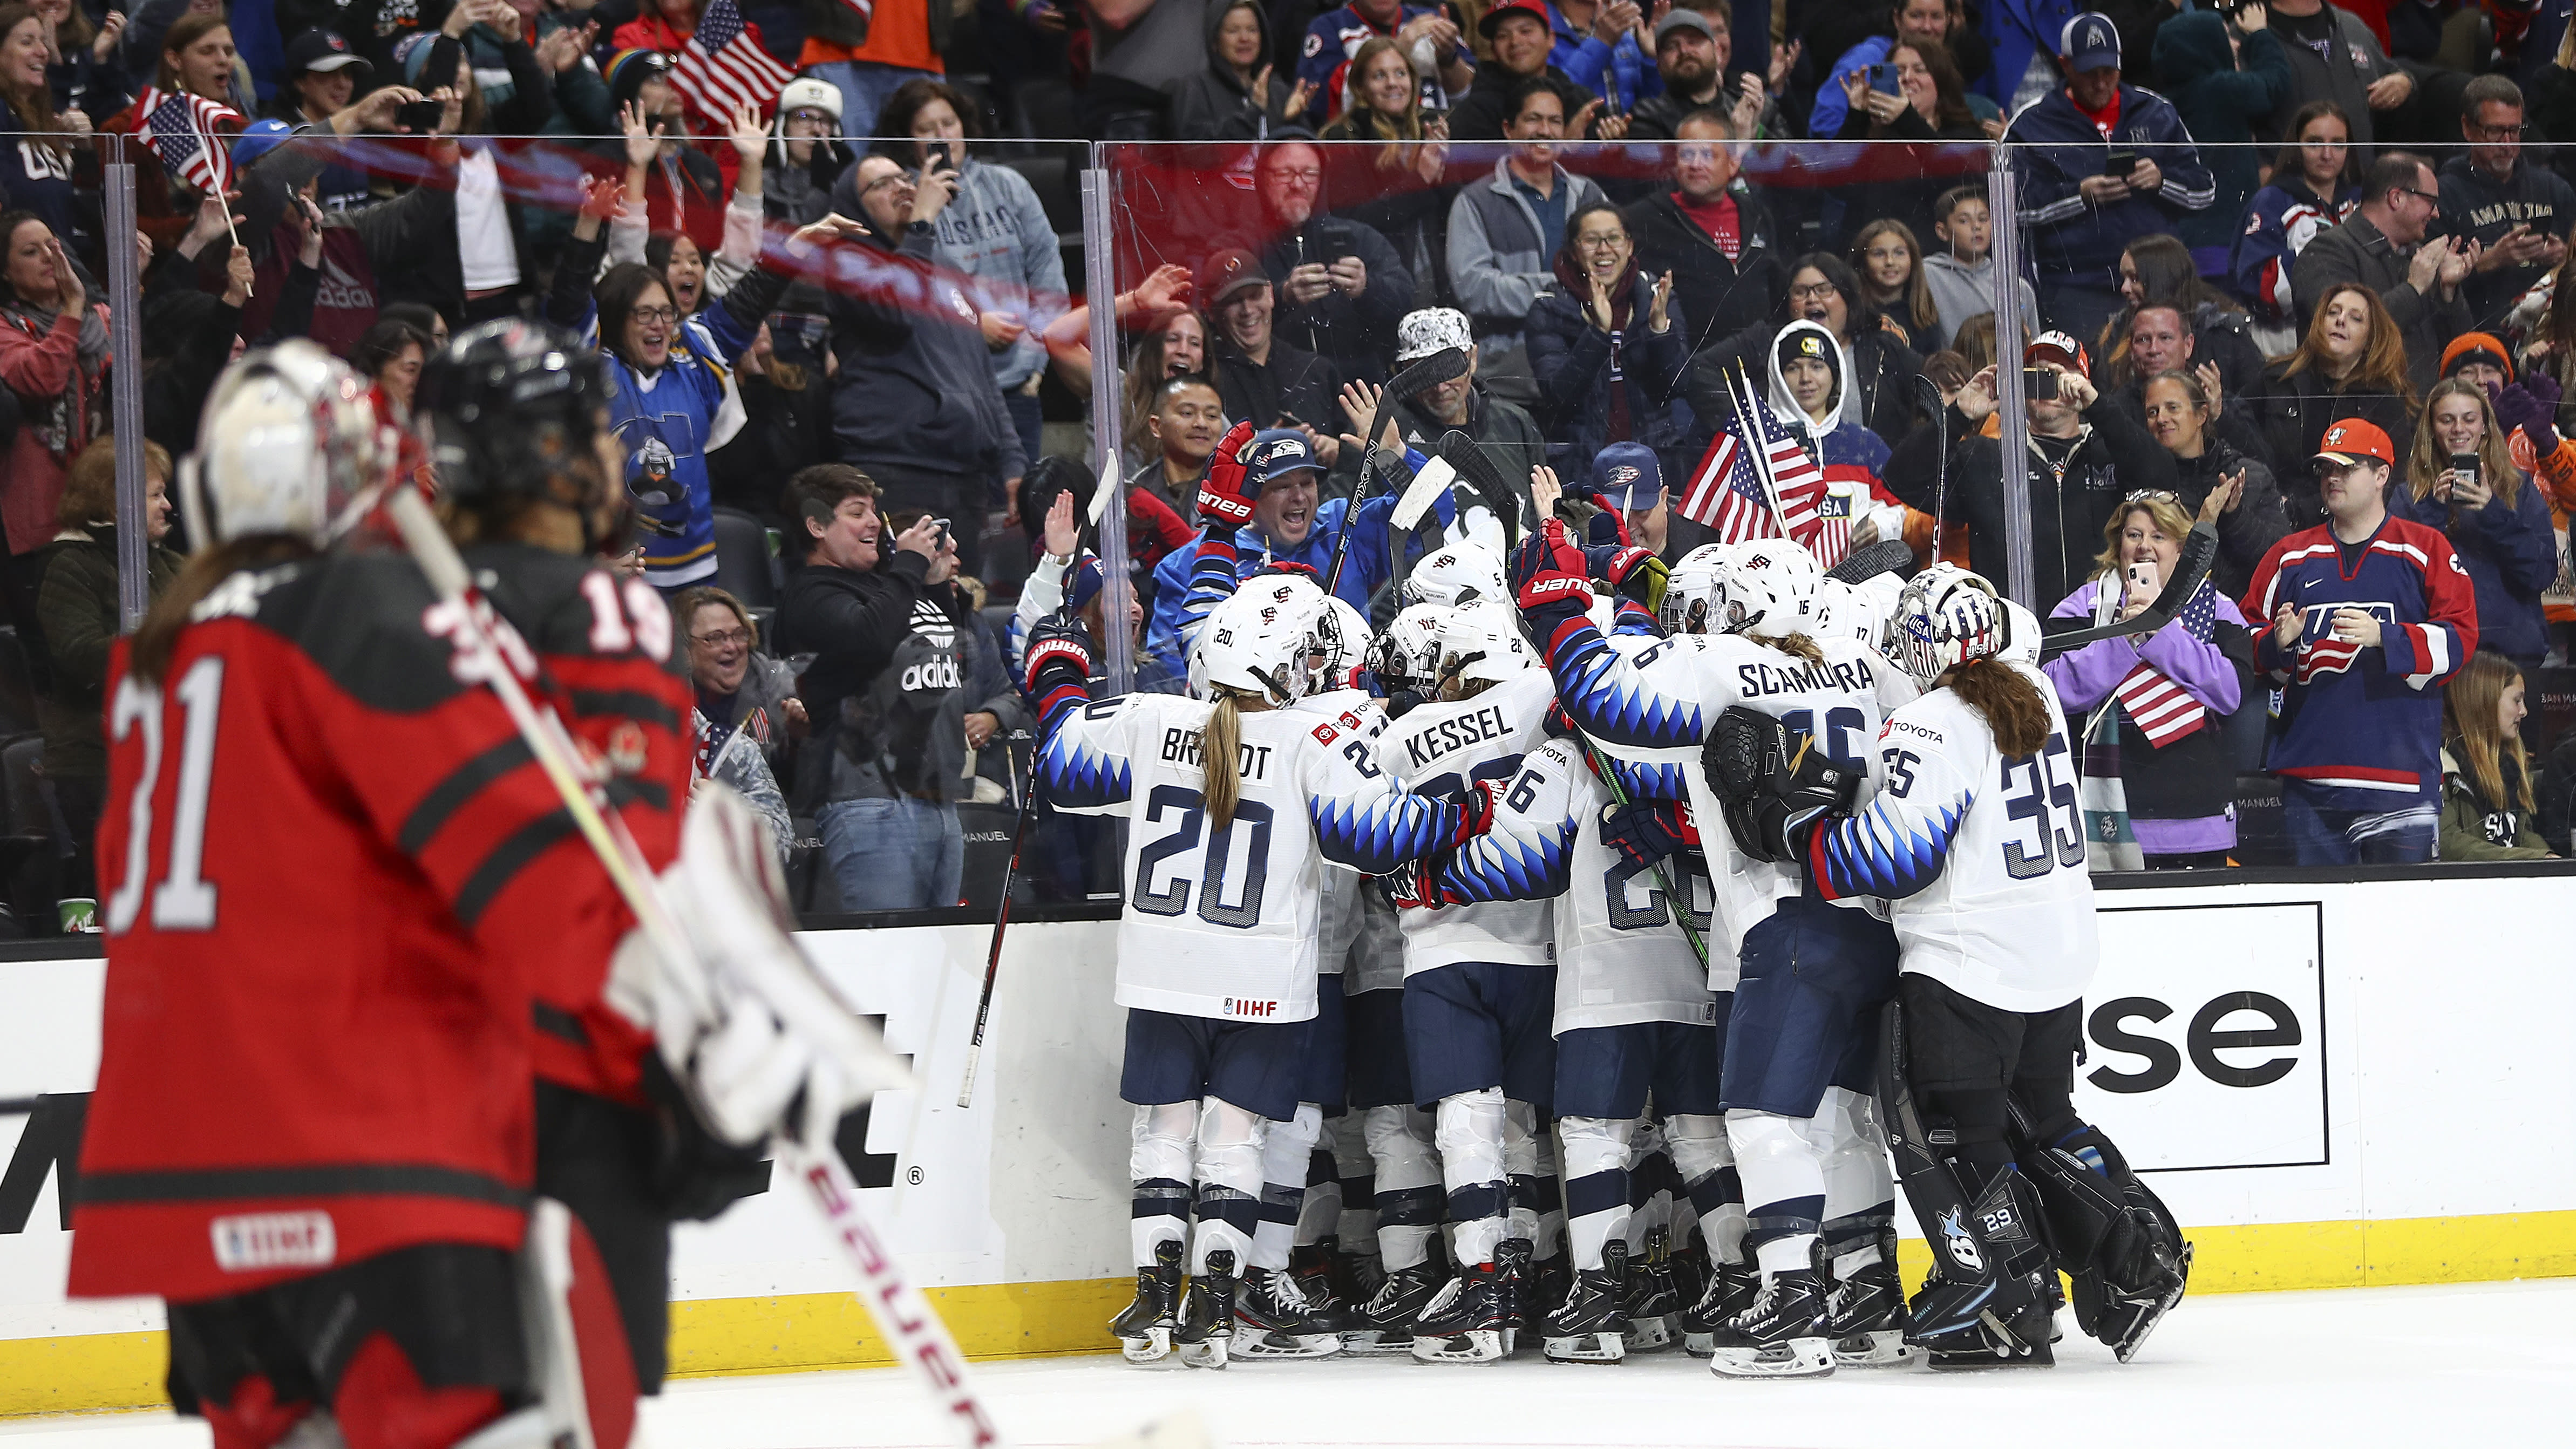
{"points": [[1961, 290], [997, 232]]}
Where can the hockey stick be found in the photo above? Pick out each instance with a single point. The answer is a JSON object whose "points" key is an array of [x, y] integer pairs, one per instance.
{"points": [[918, 1335], [2191, 570], [1001, 923], [1940, 461], [1680, 903], [1430, 372], [1887, 556], [1477, 471]]}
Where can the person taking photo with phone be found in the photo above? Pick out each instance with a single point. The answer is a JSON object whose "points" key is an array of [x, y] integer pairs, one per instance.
{"points": [[2461, 480]]}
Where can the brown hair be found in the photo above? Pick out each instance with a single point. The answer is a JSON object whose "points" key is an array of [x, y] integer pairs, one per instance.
{"points": [[2428, 461], [1975, 342], [2013, 706], [2165, 513], [1949, 88], [2289, 161], [1221, 738], [818, 490], [188, 31], [2382, 368], [1379, 126], [2469, 723], [89, 492], [1916, 300], [35, 108], [158, 635], [686, 604]]}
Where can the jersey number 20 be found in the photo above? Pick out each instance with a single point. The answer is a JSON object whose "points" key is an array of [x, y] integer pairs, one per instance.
{"points": [[1175, 900]]}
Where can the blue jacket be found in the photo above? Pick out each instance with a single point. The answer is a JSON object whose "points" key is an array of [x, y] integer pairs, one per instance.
{"points": [[1826, 119], [2511, 555], [2056, 147], [2278, 225], [1176, 606], [1594, 65], [1572, 360], [2018, 29]]}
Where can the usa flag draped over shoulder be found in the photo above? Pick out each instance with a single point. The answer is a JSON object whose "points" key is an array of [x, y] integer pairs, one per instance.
{"points": [[1726, 490], [2156, 705], [720, 70], [181, 128]]}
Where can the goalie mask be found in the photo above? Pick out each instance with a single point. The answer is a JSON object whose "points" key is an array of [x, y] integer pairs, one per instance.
{"points": [[1457, 573], [288, 443], [1407, 655], [1263, 639], [1481, 644], [1946, 617]]}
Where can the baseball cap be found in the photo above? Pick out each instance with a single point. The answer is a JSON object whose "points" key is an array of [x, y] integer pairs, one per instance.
{"points": [[1535, 9], [258, 139], [1628, 477], [1229, 272], [2061, 349], [323, 50], [2351, 440], [2090, 42], [2471, 347], [1281, 450], [1679, 18], [1429, 330]]}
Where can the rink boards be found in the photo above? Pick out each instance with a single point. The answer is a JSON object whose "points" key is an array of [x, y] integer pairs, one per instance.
{"points": [[2334, 1084]]}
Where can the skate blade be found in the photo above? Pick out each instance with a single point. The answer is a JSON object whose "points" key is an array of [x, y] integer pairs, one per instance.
{"points": [[1252, 1342], [1877, 1348], [2130, 1342], [1478, 1345], [1376, 1343], [1586, 1348], [1699, 1344], [1799, 1358], [1210, 1354], [1651, 1335], [1153, 1350]]}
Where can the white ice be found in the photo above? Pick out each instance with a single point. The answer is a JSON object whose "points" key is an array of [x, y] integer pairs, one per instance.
{"points": [[2487, 1364]]}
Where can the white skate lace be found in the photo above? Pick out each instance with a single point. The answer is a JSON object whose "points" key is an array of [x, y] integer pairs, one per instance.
{"points": [[1287, 1292]]}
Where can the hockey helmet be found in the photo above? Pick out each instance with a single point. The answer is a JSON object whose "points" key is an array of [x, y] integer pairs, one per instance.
{"points": [[1481, 644], [1459, 572], [1947, 616], [1857, 611], [1262, 640], [1690, 590], [508, 407], [1407, 655], [288, 443], [1350, 641]]}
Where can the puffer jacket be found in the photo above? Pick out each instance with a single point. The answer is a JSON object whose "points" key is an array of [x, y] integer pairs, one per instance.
{"points": [[1215, 105], [1578, 366]]}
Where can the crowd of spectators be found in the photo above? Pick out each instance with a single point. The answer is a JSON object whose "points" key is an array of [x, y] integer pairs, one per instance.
{"points": [[2290, 272]]}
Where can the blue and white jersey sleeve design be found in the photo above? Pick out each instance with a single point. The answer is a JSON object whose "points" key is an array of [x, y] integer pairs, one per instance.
{"points": [[1650, 698], [1527, 853], [1896, 845], [1362, 820], [1085, 764]]}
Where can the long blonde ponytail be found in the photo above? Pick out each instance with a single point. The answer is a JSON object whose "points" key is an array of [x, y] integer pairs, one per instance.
{"points": [[1221, 756]]}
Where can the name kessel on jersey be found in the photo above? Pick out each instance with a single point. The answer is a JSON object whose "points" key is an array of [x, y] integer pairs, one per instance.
{"points": [[1451, 735], [1181, 747]]}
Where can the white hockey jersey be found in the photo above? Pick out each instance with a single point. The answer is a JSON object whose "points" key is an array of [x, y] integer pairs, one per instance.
{"points": [[1620, 957], [1227, 923], [1655, 704], [1980, 857], [1363, 715], [1441, 750]]}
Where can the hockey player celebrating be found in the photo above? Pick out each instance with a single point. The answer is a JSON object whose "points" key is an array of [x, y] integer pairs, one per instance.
{"points": [[1799, 1035], [1972, 836], [313, 1130], [1236, 807]]}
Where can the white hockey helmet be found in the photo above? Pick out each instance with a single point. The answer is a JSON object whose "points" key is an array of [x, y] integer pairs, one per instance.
{"points": [[1350, 639], [2021, 635], [1947, 616], [1263, 639], [288, 443], [1690, 591], [1407, 655], [1458, 572], [1481, 643], [1857, 611]]}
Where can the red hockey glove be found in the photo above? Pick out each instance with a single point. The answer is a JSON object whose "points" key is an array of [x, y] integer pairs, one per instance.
{"points": [[1226, 494]]}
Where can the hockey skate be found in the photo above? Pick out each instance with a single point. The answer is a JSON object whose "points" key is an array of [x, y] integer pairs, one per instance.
{"points": [[1145, 1327], [1207, 1314], [1728, 1292], [1782, 1336], [1993, 1322], [1587, 1327], [1520, 1291], [1273, 1319], [1469, 1320], [2123, 1319], [1654, 1305], [1384, 1324], [1540, 1284], [1865, 1317]]}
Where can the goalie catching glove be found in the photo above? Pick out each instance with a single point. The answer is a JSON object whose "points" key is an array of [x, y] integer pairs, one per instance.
{"points": [[1772, 786], [756, 1039]]}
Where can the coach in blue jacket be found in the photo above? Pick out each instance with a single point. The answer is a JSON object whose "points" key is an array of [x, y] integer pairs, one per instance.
{"points": [[2079, 216]]}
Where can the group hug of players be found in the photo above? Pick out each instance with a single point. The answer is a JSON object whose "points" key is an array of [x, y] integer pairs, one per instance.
{"points": [[1442, 913]]}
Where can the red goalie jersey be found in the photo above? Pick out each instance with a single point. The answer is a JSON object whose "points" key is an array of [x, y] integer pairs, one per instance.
{"points": [[340, 897]]}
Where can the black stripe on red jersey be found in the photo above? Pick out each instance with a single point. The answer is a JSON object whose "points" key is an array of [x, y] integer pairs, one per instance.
{"points": [[449, 795], [627, 790], [371, 1179], [631, 704], [562, 1025], [514, 854]]}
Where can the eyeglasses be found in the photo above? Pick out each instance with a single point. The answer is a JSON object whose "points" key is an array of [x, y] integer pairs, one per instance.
{"points": [[1816, 291], [1602, 242], [649, 315], [809, 118], [2494, 133], [2434, 197], [722, 638], [1310, 175], [896, 179]]}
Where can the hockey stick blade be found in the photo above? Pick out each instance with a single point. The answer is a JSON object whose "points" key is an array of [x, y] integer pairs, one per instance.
{"points": [[2191, 570], [1442, 366], [1480, 475], [1104, 490], [1428, 485], [1887, 556]]}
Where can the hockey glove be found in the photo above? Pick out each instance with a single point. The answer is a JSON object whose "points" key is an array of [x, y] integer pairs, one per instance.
{"points": [[1226, 493], [1415, 885], [1476, 810], [1550, 578], [2523, 406], [1056, 669], [1607, 528], [1772, 787], [1643, 832], [1635, 572]]}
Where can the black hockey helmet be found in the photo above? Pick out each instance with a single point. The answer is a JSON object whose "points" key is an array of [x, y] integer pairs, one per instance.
{"points": [[509, 406]]}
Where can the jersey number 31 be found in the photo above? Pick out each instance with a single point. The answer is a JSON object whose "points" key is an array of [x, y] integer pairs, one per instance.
{"points": [[185, 901]]}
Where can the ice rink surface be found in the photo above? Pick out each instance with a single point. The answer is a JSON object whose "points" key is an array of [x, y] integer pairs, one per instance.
{"points": [[2486, 1364]]}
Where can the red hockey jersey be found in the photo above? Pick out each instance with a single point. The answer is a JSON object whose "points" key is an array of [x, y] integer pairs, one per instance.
{"points": [[336, 888]]}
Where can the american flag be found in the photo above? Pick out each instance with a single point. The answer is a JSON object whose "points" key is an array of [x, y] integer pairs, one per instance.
{"points": [[2157, 705], [720, 70], [1726, 492], [182, 131]]}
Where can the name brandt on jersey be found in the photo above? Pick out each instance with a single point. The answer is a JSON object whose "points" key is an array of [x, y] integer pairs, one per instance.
{"points": [[1181, 747], [1457, 734], [1762, 679]]}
